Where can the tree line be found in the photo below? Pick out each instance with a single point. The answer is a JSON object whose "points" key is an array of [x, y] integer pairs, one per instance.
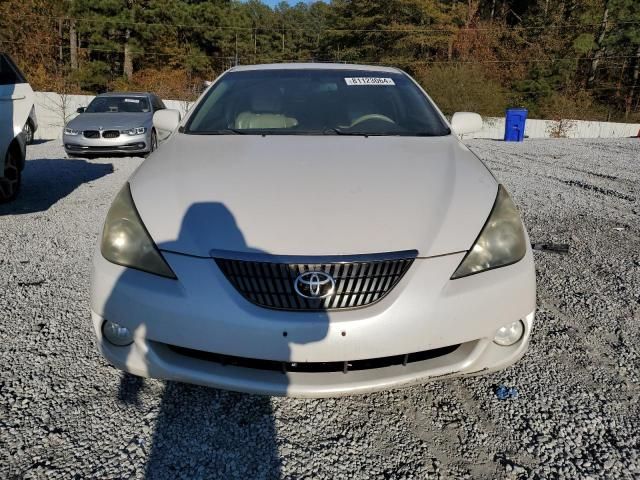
{"points": [[559, 58]]}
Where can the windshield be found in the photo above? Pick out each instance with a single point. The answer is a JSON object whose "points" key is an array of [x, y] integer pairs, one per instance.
{"points": [[113, 104], [9, 73], [315, 102]]}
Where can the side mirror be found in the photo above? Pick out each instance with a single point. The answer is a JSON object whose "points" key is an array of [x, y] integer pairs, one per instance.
{"points": [[466, 122], [166, 121], [81, 109]]}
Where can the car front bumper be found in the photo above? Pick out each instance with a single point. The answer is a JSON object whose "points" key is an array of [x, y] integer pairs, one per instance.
{"points": [[79, 145], [176, 322]]}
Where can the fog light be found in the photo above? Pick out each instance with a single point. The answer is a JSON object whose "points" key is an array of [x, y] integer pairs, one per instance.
{"points": [[509, 334], [117, 334]]}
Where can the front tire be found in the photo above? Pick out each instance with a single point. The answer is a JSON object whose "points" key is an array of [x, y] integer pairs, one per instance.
{"points": [[11, 180], [153, 144], [28, 132]]}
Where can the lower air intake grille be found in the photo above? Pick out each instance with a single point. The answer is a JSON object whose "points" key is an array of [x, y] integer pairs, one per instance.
{"points": [[283, 285], [317, 367]]}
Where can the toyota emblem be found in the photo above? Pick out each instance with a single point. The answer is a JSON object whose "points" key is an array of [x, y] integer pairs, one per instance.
{"points": [[314, 285]]}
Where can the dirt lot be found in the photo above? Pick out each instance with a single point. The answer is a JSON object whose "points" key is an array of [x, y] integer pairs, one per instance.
{"points": [[65, 413]]}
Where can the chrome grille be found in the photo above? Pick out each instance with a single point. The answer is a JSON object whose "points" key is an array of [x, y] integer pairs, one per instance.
{"points": [[91, 134], [359, 282], [110, 134]]}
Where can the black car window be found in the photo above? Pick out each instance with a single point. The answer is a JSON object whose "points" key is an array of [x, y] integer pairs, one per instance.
{"points": [[157, 103], [118, 104], [9, 72]]}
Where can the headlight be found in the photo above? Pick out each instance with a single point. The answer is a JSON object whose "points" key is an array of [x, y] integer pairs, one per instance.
{"points": [[134, 131], [501, 241], [125, 240], [71, 131]]}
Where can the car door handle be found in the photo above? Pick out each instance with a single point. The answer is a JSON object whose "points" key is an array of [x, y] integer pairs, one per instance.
{"points": [[12, 97]]}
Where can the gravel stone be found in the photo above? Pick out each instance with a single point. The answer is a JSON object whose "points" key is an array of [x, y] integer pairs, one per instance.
{"points": [[65, 413]]}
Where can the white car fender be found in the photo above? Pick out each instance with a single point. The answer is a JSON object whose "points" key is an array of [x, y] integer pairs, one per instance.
{"points": [[16, 101]]}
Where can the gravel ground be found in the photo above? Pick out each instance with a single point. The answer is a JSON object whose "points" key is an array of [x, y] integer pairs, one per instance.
{"points": [[65, 413]]}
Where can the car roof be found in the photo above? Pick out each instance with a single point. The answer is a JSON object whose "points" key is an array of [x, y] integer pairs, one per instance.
{"points": [[121, 94], [316, 66]]}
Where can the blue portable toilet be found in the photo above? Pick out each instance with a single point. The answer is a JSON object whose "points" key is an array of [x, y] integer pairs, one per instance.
{"points": [[516, 119]]}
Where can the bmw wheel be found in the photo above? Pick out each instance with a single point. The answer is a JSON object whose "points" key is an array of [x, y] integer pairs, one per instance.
{"points": [[154, 141], [28, 132], [153, 146], [11, 179]]}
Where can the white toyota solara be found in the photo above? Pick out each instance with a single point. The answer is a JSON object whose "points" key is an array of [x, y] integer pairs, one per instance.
{"points": [[313, 230]]}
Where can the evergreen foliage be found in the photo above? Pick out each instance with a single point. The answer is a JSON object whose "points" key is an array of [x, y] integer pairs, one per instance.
{"points": [[558, 58]]}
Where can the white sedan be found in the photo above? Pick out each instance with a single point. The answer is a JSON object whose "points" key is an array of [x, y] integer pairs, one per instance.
{"points": [[313, 230]]}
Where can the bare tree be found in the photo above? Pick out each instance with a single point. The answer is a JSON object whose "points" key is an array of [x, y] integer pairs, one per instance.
{"points": [[60, 105], [128, 58], [185, 105], [73, 44], [600, 48], [633, 91]]}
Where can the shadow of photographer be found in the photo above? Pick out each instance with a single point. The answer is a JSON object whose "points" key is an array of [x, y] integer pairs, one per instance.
{"points": [[203, 432]]}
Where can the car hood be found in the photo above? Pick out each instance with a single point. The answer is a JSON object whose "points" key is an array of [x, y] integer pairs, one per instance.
{"points": [[313, 195], [106, 121]]}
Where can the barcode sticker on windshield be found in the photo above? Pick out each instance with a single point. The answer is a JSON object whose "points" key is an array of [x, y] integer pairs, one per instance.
{"points": [[132, 100], [357, 81]]}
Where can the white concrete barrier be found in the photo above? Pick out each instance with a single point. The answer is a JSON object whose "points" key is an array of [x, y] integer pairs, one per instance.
{"points": [[494, 129], [55, 110]]}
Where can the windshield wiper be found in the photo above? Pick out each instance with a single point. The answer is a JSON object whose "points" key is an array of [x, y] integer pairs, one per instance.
{"points": [[428, 134], [326, 131], [339, 131], [222, 131], [261, 132], [230, 131]]}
